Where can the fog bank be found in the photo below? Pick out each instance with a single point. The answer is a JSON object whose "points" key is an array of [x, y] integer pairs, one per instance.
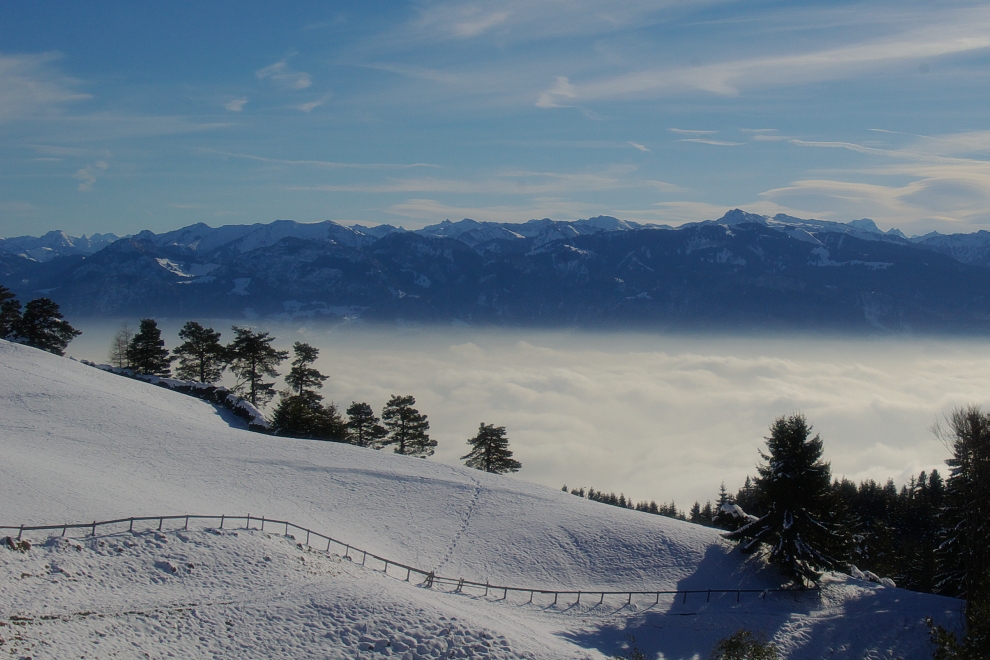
{"points": [[656, 417]]}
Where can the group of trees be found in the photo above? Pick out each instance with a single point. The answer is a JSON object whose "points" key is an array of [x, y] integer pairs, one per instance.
{"points": [[301, 411], [931, 535], [40, 324]]}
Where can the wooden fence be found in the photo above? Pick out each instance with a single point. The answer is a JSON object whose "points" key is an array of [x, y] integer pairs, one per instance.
{"points": [[429, 580]]}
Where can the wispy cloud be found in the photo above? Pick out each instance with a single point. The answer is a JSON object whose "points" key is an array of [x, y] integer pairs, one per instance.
{"points": [[235, 105], [639, 146], [518, 182], [31, 85], [421, 212], [716, 143], [88, 175], [687, 131], [952, 33], [284, 77], [312, 105], [326, 164]]}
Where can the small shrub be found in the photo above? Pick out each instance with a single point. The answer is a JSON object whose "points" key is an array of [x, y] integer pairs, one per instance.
{"points": [[15, 544], [744, 645]]}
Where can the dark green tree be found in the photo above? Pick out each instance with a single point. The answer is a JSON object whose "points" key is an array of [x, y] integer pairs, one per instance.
{"points": [[490, 451], [43, 326], [363, 428], [147, 353], [800, 525], [744, 645], [10, 313], [964, 554], [407, 428], [201, 355], [303, 377], [305, 416], [252, 358]]}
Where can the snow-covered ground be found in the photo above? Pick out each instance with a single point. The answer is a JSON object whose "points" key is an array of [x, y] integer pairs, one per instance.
{"points": [[78, 444]]}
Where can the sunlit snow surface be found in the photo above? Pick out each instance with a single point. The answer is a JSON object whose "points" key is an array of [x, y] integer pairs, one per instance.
{"points": [[78, 444]]}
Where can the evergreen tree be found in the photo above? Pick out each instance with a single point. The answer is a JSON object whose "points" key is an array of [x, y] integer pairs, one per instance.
{"points": [[201, 355], [305, 416], [794, 486], [147, 353], [43, 326], [303, 377], [251, 358], [490, 451], [10, 313], [362, 426], [407, 428], [964, 554], [118, 347]]}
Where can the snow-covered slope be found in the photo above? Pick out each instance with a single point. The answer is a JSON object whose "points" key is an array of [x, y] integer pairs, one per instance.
{"points": [[78, 444]]}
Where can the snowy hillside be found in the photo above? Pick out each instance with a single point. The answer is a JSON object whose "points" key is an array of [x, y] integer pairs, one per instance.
{"points": [[77, 444]]}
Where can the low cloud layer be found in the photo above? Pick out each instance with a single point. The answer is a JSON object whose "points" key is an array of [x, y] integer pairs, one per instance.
{"points": [[654, 417]]}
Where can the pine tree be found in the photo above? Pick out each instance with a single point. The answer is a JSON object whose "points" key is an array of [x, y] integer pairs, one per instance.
{"points": [[118, 347], [201, 355], [407, 428], [43, 326], [147, 353], [10, 313], [251, 358], [362, 426], [303, 377], [305, 416], [795, 489], [490, 451]]}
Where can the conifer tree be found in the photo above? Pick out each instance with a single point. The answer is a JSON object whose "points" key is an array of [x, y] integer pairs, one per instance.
{"points": [[407, 427], [201, 355], [10, 313], [363, 426], [303, 376], [118, 347], [43, 326], [147, 353], [490, 451], [251, 358], [305, 416], [795, 489]]}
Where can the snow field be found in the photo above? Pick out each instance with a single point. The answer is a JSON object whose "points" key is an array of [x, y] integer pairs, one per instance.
{"points": [[78, 444]]}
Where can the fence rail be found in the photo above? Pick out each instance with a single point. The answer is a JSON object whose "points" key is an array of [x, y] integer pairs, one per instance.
{"points": [[430, 578]]}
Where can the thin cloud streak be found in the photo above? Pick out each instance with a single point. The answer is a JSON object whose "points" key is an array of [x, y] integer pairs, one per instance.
{"points": [[325, 164]]}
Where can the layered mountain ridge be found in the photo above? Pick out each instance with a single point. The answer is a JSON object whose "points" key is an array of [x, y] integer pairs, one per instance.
{"points": [[742, 271]]}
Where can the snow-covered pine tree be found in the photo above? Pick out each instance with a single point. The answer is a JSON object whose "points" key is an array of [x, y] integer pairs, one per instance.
{"points": [[407, 427], [363, 428], [490, 451], [799, 526], [147, 353], [201, 355]]}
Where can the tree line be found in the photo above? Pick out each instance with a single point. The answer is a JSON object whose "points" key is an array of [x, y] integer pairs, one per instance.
{"points": [[301, 411], [931, 535], [39, 324]]}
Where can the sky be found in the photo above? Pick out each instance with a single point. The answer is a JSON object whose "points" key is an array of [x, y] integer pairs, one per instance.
{"points": [[118, 117]]}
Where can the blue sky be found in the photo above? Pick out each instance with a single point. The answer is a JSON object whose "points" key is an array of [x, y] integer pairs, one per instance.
{"points": [[128, 116]]}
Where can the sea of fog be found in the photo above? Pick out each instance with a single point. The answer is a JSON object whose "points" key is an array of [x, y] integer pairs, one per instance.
{"points": [[653, 416]]}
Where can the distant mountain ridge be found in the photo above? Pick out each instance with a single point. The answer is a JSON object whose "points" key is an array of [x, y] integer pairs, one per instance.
{"points": [[742, 271]]}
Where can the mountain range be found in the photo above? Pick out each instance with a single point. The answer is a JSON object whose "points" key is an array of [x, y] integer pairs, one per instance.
{"points": [[741, 272]]}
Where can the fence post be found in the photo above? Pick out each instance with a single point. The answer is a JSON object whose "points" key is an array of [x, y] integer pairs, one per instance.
{"points": [[286, 529], [364, 558], [602, 599], [505, 593], [658, 599], [486, 583], [187, 524], [386, 567], [262, 523], [629, 602], [685, 598], [131, 527], [408, 573], [249, 521], [460, 583], [94, 528], [221, 521], [429, 580], [64, 527], [307, 537], [347, 551], [328, 545], [20, 532], [160, 521], [555, 598], [531, 595], [579, 599]]}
